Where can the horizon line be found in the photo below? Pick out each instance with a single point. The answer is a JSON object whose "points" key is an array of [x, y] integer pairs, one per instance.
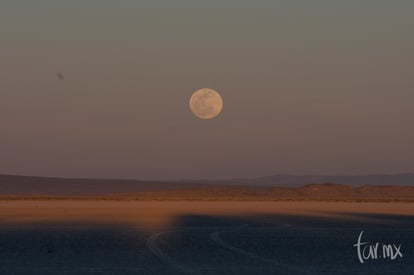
{"points": [[210, 179]]}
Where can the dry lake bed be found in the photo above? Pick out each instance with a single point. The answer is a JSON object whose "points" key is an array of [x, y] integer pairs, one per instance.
{"points": [[132, 237]]}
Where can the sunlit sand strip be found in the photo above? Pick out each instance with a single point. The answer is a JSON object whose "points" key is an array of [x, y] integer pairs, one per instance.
{"points": [[150, 216]]}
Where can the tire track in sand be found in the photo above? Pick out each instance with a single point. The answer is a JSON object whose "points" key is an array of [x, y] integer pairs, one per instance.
{"points": [[215, 236], [153, 246]]}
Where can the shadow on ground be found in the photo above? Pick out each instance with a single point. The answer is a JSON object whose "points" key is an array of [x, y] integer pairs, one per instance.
{"points": [[269, 244]]}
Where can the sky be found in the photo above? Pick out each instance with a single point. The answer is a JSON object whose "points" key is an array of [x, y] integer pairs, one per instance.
{"points": [[309, 87]]}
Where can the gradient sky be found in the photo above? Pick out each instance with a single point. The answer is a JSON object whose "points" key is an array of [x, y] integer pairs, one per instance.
{"points": [[309, 87]]}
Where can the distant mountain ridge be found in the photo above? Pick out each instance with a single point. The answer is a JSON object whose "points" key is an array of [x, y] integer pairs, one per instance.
{"points": [[26, 185], [293, 180]]}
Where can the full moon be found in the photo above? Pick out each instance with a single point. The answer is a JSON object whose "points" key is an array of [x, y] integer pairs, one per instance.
{"points": [[206, 103]]}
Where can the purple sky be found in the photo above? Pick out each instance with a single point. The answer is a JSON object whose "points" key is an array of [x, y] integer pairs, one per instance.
{"points": [[309, 87]]}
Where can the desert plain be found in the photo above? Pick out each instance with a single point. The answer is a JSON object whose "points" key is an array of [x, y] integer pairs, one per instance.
{"points": [[201, 237]]}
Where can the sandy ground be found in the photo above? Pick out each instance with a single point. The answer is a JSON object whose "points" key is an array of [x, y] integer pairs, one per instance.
{"points": [[154, 214], [130, 237]]}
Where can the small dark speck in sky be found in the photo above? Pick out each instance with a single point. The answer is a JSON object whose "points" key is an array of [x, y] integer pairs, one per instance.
{"points": [[60, 76]]}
